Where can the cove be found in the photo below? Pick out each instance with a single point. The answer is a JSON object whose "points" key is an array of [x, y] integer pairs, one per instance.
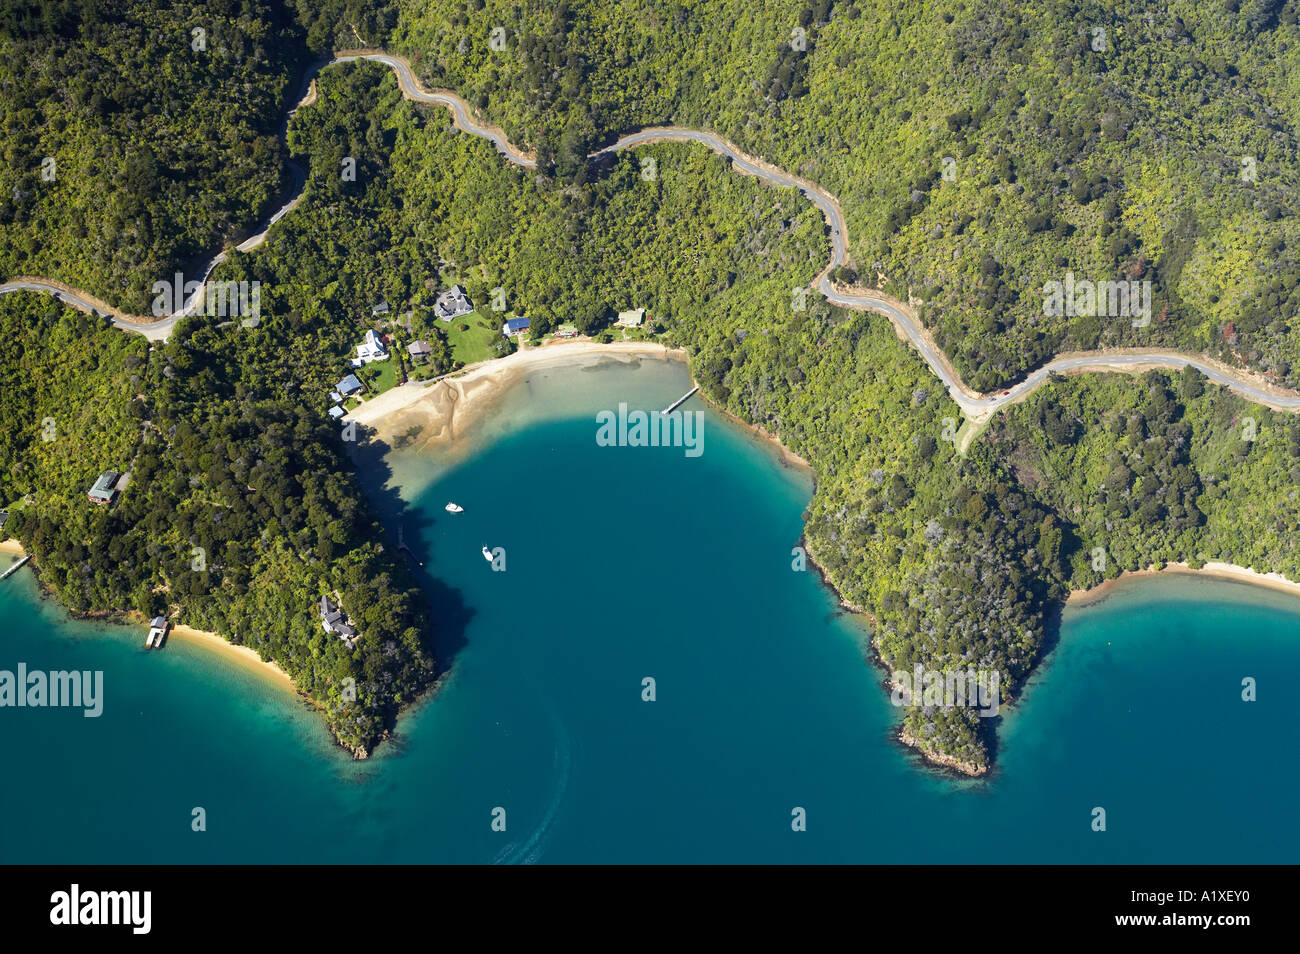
{"points": [[626, 563]]}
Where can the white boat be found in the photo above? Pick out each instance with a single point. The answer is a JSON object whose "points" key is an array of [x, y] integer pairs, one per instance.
{"points": [[487, 554], [453, 508]]}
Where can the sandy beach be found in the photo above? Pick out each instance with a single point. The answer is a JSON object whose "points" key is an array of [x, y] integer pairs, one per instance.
{"points": [[241, 655], [435, 415], [1215, 570], [432, 415], [12, 547]]}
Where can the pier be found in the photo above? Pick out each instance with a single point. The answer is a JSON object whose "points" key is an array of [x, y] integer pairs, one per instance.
{"points": [[16, 566], [680, 401]]}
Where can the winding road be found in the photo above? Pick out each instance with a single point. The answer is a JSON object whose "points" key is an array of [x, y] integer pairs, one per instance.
{"points": [[978, 407]]}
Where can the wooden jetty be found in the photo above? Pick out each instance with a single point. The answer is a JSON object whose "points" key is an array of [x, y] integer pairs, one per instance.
{"points": [[16, 566], [680, 401]]}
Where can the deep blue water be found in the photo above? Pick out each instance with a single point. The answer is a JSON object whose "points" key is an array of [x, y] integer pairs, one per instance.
{"points": [[623, 563]]}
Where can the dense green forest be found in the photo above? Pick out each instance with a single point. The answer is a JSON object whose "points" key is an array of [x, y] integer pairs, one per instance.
{"points": [[128, 153], [980, 150], [241, 510], [1121, 161]]}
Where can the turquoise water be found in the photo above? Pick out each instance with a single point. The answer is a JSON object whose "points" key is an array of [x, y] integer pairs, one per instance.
{"points": [[623, 563]]}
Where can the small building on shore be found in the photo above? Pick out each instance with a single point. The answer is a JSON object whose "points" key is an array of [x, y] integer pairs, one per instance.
{"points": [[157, 633], [630, 319], [514, 326]]}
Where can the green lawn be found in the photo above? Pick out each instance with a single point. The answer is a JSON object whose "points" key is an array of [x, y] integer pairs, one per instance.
{"points": [[478, 342], [378, 376]]}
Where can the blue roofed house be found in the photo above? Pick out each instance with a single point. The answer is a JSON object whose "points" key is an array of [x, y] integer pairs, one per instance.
{"points": [[514, 326], [336, 412], [349, 386]]}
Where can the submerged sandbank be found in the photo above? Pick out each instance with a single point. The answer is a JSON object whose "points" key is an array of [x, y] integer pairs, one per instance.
{"points": [[243, 656], [1212, 570], [439, 414]]}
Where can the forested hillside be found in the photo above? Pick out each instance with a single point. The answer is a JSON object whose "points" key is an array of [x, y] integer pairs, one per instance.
{"points": [[240, 512], [128, 153], [980, 150], [1106, 158]]}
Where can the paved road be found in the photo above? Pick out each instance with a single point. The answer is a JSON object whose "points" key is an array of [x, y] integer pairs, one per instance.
{"points": [[977, 406]]}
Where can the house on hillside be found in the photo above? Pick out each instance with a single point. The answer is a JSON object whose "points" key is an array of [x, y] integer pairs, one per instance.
{"points": [[514, 326], [630, 319], [452, 304], [334, 621], [371, 348], [103, 490], [379, 309]]}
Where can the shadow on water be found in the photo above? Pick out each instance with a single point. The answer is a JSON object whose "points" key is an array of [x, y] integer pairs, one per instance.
{"points": [[1052, 619], [407, 530]]}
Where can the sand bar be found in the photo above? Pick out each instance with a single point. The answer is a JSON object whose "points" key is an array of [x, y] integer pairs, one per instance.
{"points": [[246, 658], [1213, 570], [442, 412]]}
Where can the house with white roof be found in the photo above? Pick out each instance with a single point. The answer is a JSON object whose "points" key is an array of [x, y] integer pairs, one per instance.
{"points": [[371, 348]]}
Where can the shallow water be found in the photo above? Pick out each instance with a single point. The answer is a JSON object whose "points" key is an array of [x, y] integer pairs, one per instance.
{"points": [[626, 563]]}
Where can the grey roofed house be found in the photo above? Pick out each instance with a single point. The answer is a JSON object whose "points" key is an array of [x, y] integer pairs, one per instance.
{"points": [[103, 489], [333, 621], [630, 319], [336, 412], [158, 622], [380, 309], [349, 385], [4, 517], [329, 614], [336, 397], [419, 349], [452, 304]]}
